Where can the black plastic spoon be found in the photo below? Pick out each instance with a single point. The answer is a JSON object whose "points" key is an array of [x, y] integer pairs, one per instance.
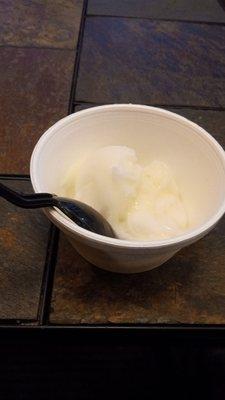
{"points": [[82, 214]]}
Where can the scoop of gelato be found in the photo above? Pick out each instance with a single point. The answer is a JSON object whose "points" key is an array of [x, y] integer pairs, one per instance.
{"points": [[141, 203]]}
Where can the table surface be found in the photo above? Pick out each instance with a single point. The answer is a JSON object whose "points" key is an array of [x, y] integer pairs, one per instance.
{"points": [[63, 56]]}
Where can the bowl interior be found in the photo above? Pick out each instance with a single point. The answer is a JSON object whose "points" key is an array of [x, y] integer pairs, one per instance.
{"points": [[196, 159]]}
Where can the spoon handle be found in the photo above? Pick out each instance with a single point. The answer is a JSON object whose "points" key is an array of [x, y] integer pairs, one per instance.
{"points": [[36, 200]]}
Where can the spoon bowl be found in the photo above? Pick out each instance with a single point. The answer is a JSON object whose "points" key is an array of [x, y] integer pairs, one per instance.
{"points": [[84, 216]]}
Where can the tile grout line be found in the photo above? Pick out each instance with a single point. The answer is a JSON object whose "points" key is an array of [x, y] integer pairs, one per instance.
{"points": [[157, 19], [153, 329], [52, 248], [77, 58], [201, 108], [48, 276]]}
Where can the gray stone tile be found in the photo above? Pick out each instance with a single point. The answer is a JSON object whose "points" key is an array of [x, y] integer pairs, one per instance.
{"points": [[40, 23], [152, 62], [35, 87], [23, 246]]}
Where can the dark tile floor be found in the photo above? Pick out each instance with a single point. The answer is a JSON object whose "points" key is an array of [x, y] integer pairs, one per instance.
{"points": [[151, 62], [129, 52], [52, 23]]}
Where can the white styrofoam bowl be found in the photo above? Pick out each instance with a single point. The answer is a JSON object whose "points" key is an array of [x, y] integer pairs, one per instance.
{"points": [[195, 157]]}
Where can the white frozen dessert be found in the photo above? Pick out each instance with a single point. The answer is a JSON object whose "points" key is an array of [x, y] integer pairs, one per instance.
{"points": [[141, 203]]}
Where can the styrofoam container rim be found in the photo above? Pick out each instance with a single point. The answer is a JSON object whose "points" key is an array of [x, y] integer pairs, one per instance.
{"points": [[56, 216]]}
